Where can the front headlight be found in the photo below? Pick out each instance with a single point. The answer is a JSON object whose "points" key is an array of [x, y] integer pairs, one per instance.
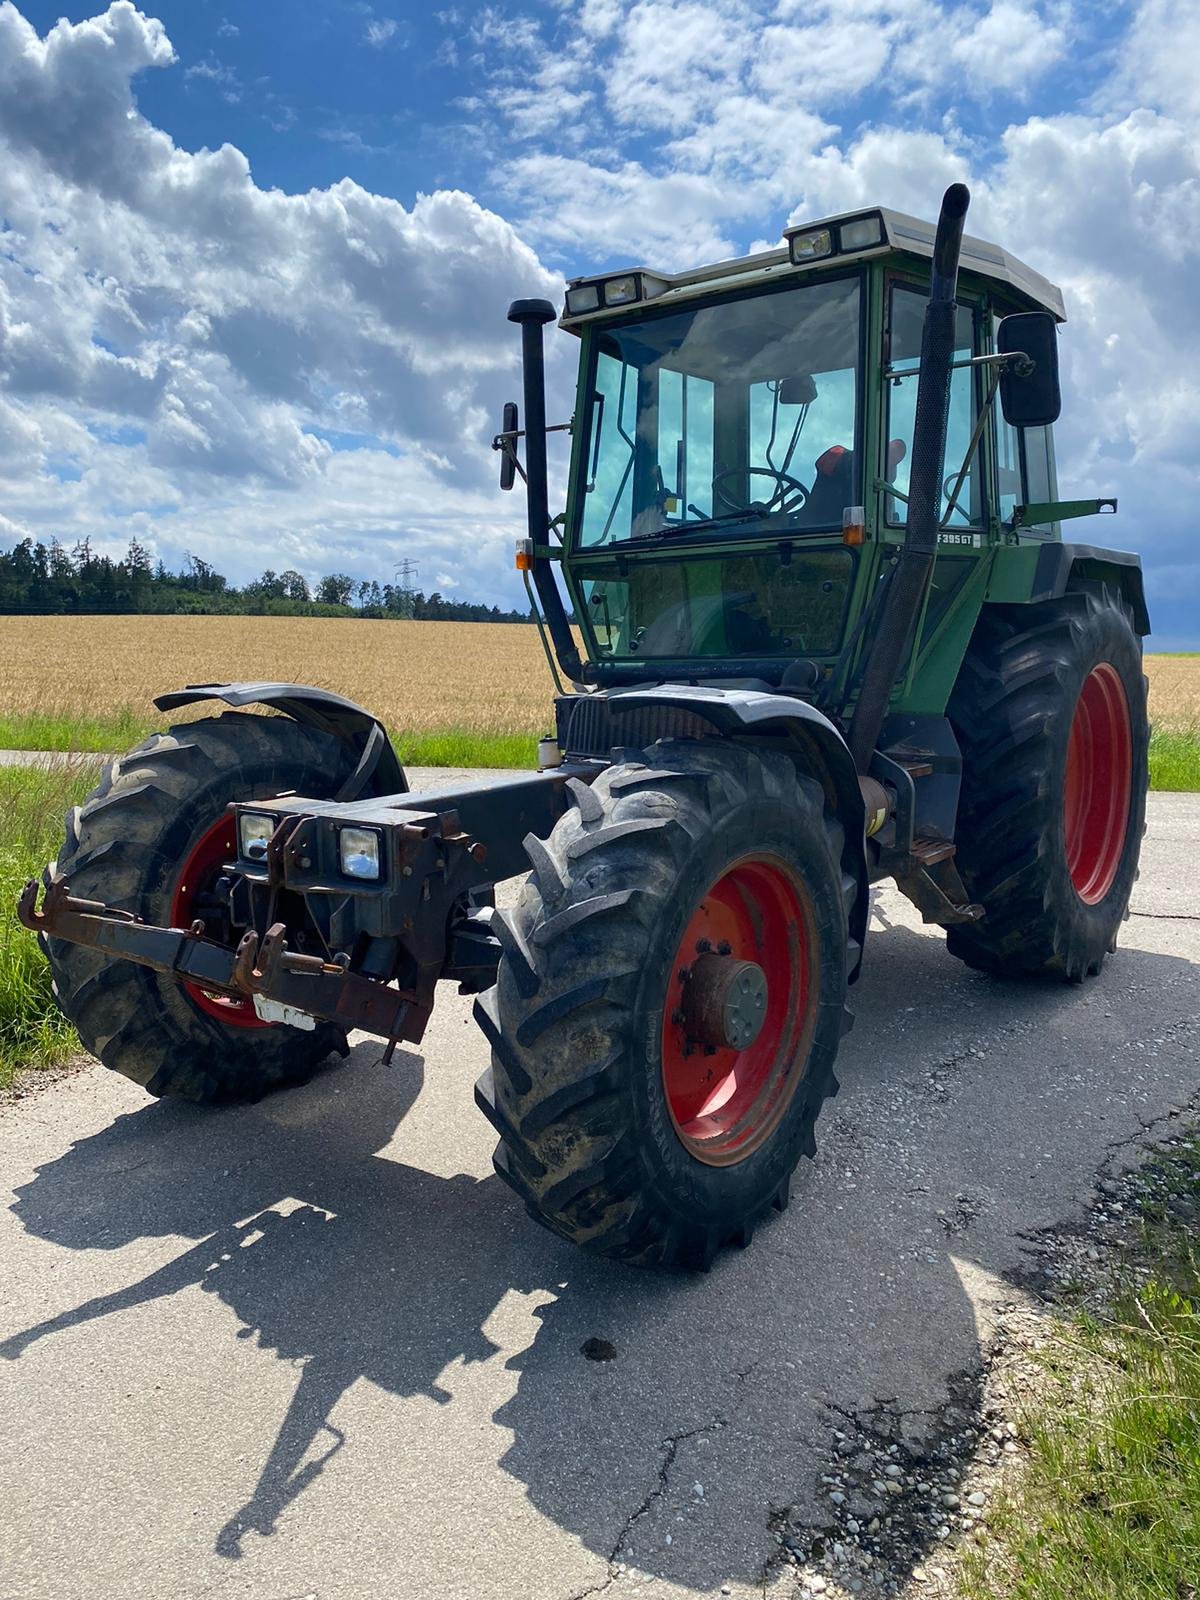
{"points": [[620, 291], [254, 835], [862, 233], [585, 298], [810, 246], [359, 851]]}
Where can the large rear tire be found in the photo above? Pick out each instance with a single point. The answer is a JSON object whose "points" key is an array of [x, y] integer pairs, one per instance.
{"points": [[623, 1126], [1050, 712], [151, 839]]}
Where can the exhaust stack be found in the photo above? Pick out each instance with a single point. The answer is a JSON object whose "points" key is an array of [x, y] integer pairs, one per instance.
{"points": [[910, 580]]}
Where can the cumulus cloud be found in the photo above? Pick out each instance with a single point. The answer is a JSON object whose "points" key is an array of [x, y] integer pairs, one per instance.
{"points": [[222, 340], [212, 364]]}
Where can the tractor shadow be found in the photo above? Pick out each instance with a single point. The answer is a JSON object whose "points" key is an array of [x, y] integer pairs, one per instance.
{"points": [[717, 1405]]}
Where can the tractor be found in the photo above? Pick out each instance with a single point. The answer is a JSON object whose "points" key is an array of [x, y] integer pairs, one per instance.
{"points": [[814, 626]]}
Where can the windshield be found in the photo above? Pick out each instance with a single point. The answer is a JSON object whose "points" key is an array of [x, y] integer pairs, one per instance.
{"points": [[741, 413]]}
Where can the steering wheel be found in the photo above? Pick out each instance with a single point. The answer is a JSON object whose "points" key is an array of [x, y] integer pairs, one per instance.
{"points": [[785, 485]]}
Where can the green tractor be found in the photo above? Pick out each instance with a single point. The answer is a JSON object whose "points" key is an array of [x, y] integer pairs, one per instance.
{"points": [[830, 635]]}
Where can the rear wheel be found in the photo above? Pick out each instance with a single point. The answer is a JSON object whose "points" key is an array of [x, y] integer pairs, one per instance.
{"points": [[669, 1003], [152, 839], [1050, 711]]}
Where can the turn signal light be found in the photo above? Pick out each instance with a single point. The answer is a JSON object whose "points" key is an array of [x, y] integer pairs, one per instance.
{"points": [[854, 525], [524, 555]]}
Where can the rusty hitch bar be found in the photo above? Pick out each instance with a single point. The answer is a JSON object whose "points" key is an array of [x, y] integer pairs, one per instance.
{"points": [[324, 989]]}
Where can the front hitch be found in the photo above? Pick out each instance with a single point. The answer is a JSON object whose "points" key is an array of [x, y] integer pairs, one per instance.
{"points": [[286, 978]]}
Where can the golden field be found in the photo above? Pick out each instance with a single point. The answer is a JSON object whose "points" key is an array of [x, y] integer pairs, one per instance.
{"points": [[416, 676], [1174, 692]]}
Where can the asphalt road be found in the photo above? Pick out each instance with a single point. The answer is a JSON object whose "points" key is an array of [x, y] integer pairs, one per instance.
{"points": [[314, 1348]]}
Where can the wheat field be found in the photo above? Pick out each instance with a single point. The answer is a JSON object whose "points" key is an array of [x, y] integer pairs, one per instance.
{"points": [[415, 676]]}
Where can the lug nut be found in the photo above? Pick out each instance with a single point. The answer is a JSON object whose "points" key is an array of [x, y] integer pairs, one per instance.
{"points": [[703, 946], [677, 1017], [724, 948]]}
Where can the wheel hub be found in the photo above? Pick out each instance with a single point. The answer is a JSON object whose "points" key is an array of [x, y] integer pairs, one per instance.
{"points": [[739, 1008], [724, 1002]]}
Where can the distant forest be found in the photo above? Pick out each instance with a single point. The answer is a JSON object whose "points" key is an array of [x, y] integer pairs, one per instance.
{"points": [[41, 580]]}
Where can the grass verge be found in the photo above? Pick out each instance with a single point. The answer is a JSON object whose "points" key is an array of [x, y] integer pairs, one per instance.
{"points": [[1109, 1506], [1175, 759], [439, 747], [33, 801]]}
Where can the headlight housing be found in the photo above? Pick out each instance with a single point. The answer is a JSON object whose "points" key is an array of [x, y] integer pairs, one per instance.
{"points": [[254, 834], [862, 233], [585, 298], [811, 246], [621, 291], [360, 852]]}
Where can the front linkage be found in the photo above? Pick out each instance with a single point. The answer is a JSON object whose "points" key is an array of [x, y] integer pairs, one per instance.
{"points": [[385, 943]]}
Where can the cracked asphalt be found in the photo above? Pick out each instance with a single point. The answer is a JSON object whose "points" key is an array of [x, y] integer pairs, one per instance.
{"points": [[314, 1348]]}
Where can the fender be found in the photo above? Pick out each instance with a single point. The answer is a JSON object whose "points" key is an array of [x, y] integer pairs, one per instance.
{"points": [[378, 765], [815, 741], [1059, 565]]}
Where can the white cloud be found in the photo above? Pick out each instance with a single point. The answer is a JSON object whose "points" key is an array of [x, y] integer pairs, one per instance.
{"points": [[219, 345], [380, 30], [209, 363]]}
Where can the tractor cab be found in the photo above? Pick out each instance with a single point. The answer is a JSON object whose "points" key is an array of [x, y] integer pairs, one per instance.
{"points": [[742, 442]]}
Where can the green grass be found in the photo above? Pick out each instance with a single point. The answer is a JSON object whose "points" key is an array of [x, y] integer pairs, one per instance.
{"points": [[33, 802], [441, 747], [38, 730], [459, 747], [1175, 759], [1109, 1508]]}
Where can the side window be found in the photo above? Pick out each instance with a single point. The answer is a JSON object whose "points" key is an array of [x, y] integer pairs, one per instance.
{"points": [[905, 322], [1008, 465], [685, 443], [608, 508]]}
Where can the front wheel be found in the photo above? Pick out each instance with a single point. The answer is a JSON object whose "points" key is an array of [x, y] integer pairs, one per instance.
{"points": [[669, 1003], [152, 839], [1050, 712]]}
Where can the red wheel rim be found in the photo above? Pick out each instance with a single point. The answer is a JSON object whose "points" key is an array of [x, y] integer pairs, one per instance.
{"points": [[724, 1103], [197, 876], [1098, 784]]}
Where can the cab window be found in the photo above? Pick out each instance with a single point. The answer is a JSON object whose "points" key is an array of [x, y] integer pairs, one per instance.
{"points": [[905, 323]]}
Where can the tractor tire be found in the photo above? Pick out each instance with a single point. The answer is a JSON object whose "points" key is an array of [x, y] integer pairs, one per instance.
{"points": [[623, 1126], [1050, 712], [150, 839]]}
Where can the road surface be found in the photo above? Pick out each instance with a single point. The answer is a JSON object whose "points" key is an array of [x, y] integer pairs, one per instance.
{"points": [[314, 1348]]}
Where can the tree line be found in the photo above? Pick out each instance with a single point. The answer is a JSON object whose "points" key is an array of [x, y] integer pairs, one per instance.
{"points": [[49, 580]]}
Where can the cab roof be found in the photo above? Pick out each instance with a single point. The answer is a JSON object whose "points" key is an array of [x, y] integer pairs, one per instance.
{"points": [[838, 239]]}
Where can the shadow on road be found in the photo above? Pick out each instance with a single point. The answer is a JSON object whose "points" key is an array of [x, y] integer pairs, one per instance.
{"points": [[360, 1266], [369, 1268]]}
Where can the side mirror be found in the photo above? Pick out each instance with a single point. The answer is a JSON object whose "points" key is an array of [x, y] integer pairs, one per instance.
{"points": [[1029, 391], [508, 451]]}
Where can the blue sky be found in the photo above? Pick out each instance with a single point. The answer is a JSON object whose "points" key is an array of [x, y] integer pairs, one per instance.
{"points": [[258, 254]]}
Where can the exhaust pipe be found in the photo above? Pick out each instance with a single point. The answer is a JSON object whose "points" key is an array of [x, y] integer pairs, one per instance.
{"points": [[532, 316], [906, 593]]}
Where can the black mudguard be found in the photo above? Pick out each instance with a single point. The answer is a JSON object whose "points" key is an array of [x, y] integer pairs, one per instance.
{"points": [[378, 769], [1061, 566]]}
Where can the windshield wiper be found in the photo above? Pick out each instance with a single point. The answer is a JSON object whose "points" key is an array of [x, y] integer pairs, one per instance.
{"points": [[670, 529]]}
